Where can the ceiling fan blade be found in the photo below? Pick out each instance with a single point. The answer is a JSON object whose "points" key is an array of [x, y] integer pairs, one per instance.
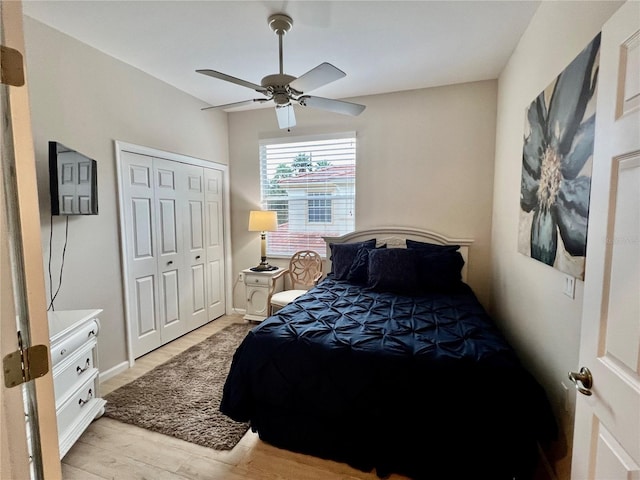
{"points": [[238, 104], [229, 78], [337, 106], [286, 116], [317, 77]]}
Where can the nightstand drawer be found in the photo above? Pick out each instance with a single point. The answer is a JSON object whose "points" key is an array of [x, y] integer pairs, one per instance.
{"points": [[63, 349], [258, 280]]}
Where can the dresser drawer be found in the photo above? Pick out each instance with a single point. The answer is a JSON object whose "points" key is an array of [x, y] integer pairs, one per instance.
{"points": [[77, 406], [66, 346], [75, 370]]}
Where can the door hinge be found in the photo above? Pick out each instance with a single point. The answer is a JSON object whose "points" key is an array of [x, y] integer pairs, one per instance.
{"points": [[11, 67], [25, 365]]}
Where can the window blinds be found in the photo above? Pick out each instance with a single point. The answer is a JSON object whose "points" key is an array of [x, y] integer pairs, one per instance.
{"points": [[311, 183]]}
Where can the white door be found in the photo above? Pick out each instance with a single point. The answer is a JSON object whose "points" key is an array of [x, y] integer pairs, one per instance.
{"points": [[168, 180], [214, 239], [607, 426], [196, 253], [141, 260]]}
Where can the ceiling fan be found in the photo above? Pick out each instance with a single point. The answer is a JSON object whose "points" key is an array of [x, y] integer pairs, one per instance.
{"points": [[285, 90]]}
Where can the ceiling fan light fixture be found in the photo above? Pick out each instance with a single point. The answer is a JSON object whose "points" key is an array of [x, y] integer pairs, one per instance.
{"points": [[281, 98]]}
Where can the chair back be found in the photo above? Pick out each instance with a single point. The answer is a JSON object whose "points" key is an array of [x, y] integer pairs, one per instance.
{"points": [[305, 269]]}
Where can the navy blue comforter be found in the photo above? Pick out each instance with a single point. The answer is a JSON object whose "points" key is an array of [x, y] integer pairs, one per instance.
{"points": [[425, 386]]}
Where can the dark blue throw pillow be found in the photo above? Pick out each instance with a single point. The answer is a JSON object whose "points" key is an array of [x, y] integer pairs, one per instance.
{"points": [[393, 270], [431, 247], [343, 255], [414, 271], [359, 269]]}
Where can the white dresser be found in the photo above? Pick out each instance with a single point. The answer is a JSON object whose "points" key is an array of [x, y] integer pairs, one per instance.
{"points": [[73, 342]]}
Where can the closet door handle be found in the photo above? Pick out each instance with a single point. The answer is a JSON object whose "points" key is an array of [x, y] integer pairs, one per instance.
{"points": [[197, 257], [170, 262]]}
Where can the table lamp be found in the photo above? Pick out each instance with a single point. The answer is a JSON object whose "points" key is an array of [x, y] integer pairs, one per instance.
{"points": [[263, 221]]}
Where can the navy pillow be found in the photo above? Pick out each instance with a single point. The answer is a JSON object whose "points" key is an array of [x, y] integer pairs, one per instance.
{"points": [[414, 271], [343, 255], [440, 271], [393, 270], [431, 247], [359, 269]]}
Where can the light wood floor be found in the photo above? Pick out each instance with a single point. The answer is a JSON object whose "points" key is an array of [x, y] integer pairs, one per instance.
{"points": [[109, 449]]}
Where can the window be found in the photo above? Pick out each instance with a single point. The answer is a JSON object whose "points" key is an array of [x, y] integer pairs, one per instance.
{"points": [[319, 208], [311, 183]]}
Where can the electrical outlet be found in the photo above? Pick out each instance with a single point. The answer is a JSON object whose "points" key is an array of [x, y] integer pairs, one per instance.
{"points": [[569, 286]]}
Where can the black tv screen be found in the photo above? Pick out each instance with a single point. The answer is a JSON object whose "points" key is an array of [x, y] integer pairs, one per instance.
{"points": [[73, 182]]}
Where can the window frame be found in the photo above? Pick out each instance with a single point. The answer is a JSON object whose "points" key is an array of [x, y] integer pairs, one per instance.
{"points": [[345, 221]]}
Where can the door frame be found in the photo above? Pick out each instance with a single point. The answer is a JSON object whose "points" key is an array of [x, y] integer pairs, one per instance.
{"points": [[121, 147], [30, 289]]}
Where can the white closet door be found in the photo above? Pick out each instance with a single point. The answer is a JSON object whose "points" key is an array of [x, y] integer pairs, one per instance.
{"points": [[168, 179], [173, 246], [214, 242], [194, 238], [138, 204]]}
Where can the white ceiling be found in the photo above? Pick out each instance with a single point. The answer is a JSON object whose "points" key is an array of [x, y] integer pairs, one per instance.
{"points": [[383, 46]]}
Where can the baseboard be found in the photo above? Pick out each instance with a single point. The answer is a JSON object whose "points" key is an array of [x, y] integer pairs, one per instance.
{"points": [[113, 371]]}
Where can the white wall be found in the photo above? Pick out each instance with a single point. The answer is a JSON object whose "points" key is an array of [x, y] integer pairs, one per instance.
{"points": [[86, 100], [541, 322], [425, 159]]}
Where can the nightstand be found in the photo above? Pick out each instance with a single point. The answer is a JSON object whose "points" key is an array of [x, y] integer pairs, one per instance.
{"points": [[257, 285]]}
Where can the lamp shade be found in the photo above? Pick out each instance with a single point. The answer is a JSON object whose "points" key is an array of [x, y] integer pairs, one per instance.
{"points": [[263, 221]]}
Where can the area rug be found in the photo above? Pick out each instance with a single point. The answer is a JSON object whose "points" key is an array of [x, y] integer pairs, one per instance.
{"points": [[181, 397]]}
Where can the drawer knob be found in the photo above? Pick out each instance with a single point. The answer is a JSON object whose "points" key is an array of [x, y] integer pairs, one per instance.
{"points": [[81, 370], [63, 351], [92, 332], [82, 402]]}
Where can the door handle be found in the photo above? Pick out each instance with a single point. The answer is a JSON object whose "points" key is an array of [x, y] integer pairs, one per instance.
{"points": [[583, 380], [170, 262], [197, 257]]}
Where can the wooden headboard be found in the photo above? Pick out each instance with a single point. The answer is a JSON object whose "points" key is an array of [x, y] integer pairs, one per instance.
{"points": [[395, 237]]}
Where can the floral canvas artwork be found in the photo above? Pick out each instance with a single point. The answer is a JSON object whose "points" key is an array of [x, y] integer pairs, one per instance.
{"points": [[556, 166]]}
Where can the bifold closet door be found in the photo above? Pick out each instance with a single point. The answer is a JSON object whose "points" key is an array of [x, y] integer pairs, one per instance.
{"points": [[154, 250], [215, 266], [194, 238], [170, 179], [140, 250]]}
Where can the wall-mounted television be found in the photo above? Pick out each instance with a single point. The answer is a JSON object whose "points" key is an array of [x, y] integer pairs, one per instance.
{"points": [[73, 182]]}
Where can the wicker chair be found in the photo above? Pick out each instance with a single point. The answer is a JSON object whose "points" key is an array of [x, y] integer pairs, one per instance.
{"points": [[305, 269]]}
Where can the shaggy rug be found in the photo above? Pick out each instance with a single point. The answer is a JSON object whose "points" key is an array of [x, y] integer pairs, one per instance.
{"points": [[181, 397]]}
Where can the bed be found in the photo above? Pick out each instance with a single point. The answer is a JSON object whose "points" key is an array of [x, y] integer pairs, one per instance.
{"points": [[391, 363]]}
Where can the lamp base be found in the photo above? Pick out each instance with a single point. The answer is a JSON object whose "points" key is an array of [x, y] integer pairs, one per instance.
{"points": [[264, 268]]}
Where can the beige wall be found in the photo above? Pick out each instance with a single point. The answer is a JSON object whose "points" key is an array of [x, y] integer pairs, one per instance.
{"points": [[425, 159], [86, 100], [542, 323]]}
